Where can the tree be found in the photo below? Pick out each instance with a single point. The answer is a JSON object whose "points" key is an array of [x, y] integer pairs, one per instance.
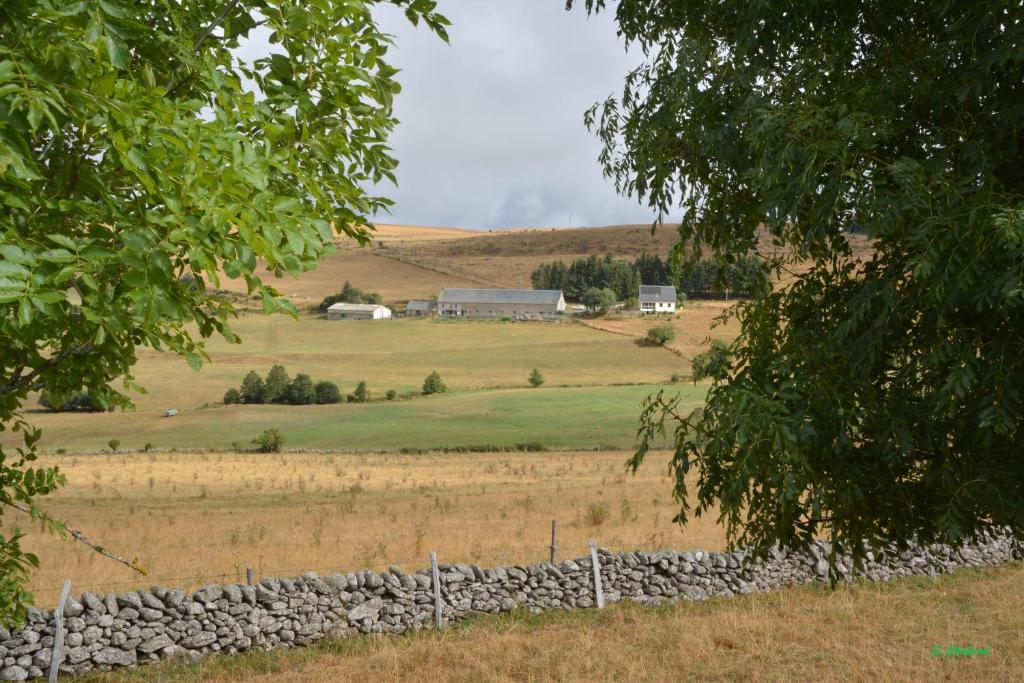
{"points": [[598, 300], [360, 392], [536, 379], [275, 387], [660, 334], [270, 441], [349, 294], [433, 384], [327, 392], [714, 363], [878, 395], [252, 390], [301, 391], [391, 394], [231, 396], [114, 444], [140, 146]]}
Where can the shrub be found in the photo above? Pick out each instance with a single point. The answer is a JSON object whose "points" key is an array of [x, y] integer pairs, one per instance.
{"points": [[270, 441], [61, 451], [713, 363], [661, 334], [360, 392], [232, 396], [391, 394], [237, 446], [147, 447], [433, 384], [536, 379], [676, 378], [252, 388], [114, 443], [597, 514], [350, 398], [75, 403], [631, 304], [327, 392], [301, 391], [275, 388]]}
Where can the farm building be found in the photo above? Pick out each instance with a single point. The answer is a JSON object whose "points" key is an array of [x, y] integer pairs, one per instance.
{"points": [[343, 311], [495, 303], [417, 308], [657, 299]]}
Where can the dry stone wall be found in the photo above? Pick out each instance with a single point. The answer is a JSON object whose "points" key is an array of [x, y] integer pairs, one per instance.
{"points": [[103, 632]]}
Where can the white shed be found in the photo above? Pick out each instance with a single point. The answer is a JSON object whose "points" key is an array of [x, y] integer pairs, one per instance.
{"points": [[343, 311]]}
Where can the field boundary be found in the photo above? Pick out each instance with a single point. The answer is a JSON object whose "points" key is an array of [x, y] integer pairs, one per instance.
{"points": [[104, 632]]}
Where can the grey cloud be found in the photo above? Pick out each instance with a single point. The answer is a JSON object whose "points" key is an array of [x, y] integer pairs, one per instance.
{"points": [[491, 131]]}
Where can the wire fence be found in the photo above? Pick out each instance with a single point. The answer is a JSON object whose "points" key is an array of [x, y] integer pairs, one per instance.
{"points": [[238, 574]]}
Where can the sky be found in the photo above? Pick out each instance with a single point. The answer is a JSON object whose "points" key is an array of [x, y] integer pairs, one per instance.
{"points": [[491, 130]]}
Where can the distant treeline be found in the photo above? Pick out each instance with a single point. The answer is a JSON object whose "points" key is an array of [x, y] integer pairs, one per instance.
{"points": [[705, 280]]}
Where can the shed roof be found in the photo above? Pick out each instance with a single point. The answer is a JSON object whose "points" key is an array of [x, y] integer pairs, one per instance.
{"points": [[342, 306], [419, 305], [500, 296], [658, 293]]}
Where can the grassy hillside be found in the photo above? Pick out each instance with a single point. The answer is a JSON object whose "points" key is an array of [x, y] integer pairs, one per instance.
{"points": [[864, 632], [399, 354]]}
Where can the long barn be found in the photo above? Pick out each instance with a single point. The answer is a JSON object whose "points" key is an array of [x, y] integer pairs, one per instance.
{"points": [[496, 303]]}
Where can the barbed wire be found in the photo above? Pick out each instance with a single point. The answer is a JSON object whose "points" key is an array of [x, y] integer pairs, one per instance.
{"points": [[563, 552]]}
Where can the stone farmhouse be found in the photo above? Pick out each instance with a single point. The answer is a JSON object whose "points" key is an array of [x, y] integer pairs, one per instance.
{"points": [[496, 303], [419, 308], [657, 299], [344, 311]]}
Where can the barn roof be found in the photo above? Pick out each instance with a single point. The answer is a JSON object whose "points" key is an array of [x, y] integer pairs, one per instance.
{"points": [[419, 305], [658, 293], [499, 296], [342, 306]]}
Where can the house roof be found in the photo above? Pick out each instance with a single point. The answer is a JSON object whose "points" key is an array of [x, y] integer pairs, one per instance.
{"points": [[342, 306], [500, 296], [419, 305], [658, 293]]}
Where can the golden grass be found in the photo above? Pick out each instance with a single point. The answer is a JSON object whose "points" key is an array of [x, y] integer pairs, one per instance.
{"points": [[190, 516], [395, 281], [863, 632], [693, 325]]}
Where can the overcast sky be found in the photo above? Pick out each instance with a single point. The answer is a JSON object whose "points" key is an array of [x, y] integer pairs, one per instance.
{"points": [[491, 132]]}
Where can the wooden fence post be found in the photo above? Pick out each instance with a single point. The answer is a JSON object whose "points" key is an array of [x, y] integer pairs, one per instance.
{"points": [[438, 609], [248, 576], [57, 656], [598, 590], [554, 539]]}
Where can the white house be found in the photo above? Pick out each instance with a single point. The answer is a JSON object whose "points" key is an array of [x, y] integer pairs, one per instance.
{"points": [[657, 299], [343, 311]]}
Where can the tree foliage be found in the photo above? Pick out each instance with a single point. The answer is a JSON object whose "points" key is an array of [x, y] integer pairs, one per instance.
{"points": [[713, 363], [327, 392], [433, 384], [598, 300], [351, 295], [301, 391], [879, 394], [275, 386], [141, 157], [700, 280], [536, 378]]}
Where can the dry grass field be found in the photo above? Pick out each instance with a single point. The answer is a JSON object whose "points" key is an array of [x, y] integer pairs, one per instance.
{"points": [[394, 280], [695, 325], [862, 632], [195, 518]]}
